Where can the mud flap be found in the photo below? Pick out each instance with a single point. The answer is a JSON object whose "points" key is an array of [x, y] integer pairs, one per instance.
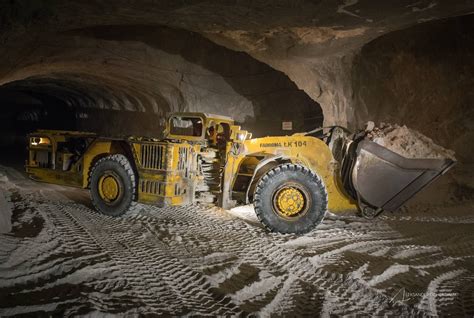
{"points": [[383, 179]]}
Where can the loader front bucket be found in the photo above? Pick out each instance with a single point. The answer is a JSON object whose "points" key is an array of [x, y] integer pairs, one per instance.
{"points": [[383, 179]]}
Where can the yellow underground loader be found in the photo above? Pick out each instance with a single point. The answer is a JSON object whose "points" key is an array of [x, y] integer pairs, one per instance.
{"points": [[292, 181]]}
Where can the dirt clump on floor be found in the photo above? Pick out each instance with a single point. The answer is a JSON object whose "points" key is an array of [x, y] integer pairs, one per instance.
{"points": [[407, 142]]}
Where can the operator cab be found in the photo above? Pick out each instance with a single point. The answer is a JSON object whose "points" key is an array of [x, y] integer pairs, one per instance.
{"points": [[215, 130]]}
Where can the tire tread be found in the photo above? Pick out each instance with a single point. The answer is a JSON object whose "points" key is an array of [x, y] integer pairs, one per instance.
{"points": [[123, 161], [281, 169]]}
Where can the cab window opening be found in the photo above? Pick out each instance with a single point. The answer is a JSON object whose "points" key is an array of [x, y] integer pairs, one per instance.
{"points": [[186, 126]]}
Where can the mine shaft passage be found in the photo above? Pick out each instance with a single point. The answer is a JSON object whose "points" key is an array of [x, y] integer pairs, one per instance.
{"points": [[245, 158]]}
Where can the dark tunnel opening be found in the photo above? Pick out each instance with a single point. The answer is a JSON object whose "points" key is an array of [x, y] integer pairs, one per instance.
{"points": [[127, 91]]}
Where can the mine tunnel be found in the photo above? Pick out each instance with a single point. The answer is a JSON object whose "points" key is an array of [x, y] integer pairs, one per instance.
{"points": [[179, 70], [278, 69]]}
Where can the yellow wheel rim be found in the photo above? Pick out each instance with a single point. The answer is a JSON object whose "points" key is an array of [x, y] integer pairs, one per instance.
{"points": [[109, 188], [290, 201]]}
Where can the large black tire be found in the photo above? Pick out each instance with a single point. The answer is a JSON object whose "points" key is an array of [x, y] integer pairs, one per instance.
{"points": [[117, 171], [281, 183]]}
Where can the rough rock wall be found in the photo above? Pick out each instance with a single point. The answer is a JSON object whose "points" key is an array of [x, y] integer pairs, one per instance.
{"points": [[318, 60], [421, 77], [310, 41], [154, 71], [314, 44]]}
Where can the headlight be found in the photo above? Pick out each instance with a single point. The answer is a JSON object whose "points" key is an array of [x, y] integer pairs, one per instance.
{"points": [[35, 141], [241, 136]]}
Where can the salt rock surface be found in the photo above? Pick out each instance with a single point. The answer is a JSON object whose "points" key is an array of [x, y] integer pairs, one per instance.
{"points": [[408, 142], [5, 211]]}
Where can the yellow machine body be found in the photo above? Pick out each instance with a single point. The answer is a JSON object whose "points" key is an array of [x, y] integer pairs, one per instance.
{"points": [[169, 171], [164, 169], [257, 156]]}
